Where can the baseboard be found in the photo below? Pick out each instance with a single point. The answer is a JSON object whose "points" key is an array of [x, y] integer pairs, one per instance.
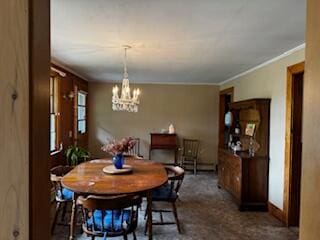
{"points": [[276, 212], [202, 167]]}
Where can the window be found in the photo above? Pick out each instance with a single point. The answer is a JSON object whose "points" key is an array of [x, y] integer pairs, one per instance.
{"points": [[81, 116], [54, 140]]}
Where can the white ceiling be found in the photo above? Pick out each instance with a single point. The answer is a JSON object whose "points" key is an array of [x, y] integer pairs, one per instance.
{"points": [[174, 41]]}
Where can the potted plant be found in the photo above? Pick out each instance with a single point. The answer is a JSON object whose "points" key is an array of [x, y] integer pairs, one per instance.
{"points": [[76, 155], [117, 148]]}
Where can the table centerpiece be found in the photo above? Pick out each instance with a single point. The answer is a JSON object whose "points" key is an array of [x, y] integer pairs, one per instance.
{"points": [[117, 150]]}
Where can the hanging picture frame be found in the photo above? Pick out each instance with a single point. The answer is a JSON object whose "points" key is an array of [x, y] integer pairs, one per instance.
{"points": [[250, 128]]}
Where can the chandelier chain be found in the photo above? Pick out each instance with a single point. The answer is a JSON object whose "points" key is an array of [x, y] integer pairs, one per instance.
{"points": [[125, 74]]}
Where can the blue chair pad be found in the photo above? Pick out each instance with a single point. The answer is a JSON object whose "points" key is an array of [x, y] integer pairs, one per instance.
{"points": [[95, 222], [164, 193], [65, 194]]}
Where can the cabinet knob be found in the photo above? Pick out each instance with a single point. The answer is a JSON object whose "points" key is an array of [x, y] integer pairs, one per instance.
{"points": [[238, 179]]}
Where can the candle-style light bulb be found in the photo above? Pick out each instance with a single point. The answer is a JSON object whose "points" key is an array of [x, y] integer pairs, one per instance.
{"points": [[115, 90]]}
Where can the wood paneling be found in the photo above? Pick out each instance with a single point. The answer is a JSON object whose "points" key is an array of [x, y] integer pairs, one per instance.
{"points": [[80, 139], [14, 121], [68, 110], [295, 69], [310, 194]]}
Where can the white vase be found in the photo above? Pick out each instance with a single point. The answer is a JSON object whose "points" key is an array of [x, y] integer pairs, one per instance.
{"points": [[171, 129]]}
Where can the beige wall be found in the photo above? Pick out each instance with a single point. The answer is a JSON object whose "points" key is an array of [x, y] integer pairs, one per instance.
{"points": [[270, 82], [310, 190], [192, 109]]}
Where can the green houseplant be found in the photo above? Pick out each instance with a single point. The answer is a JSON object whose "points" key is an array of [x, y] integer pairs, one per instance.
{"points": [[76, 155]]}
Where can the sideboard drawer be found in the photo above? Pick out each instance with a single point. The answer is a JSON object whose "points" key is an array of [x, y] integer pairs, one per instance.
{"points": [[163, 140]]}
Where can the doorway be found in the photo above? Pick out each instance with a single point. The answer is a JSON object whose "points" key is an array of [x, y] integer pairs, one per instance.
{"points": [[225, 98], [293, 145]]}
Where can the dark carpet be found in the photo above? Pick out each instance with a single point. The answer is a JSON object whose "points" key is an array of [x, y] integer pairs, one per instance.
{"points": [[207, 212]]}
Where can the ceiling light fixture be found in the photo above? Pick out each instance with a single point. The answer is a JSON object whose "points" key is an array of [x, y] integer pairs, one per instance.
{"points": [[125, 102]]}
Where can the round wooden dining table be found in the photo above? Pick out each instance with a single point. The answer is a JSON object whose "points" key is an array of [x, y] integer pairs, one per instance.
{"points": [[88, 178]]}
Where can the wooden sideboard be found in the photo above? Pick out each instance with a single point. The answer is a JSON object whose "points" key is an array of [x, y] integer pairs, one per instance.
{"points": [[164, 141], [245, 176]]}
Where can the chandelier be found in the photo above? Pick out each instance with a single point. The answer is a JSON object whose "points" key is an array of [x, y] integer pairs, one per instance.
{"points": [[126, 102]]}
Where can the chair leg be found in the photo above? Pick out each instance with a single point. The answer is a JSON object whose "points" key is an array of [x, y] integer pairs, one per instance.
{"points": [[195, 167], [146, 227], [161, 217], [93, 237], [182, 163], [146, 218], [64, 210], [81, 218], [134, 235], [125, 236], [145, 214], [175, 213], [55, 217]]}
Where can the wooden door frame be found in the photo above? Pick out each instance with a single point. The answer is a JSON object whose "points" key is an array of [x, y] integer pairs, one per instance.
{"points": [[291, 70], [227, 91], [39, 156], [25, 59]]}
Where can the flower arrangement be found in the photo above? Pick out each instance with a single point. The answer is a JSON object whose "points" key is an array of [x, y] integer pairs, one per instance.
{"points": [[119, 147]]}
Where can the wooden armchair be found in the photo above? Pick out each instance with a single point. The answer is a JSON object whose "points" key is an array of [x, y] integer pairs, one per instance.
{"points": [[110, 216], [190, 152], [169, 193], [135, 151], [63, 196]]}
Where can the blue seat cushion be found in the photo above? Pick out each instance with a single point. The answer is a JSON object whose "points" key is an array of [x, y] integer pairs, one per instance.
{"points": [[65, 194], [164, 193], [119, 217]]}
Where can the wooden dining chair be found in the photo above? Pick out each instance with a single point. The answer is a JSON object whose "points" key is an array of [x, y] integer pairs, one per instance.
{"points": [[190, 150], [110, 216], [135, 151], [169, 193], [63, 196]]}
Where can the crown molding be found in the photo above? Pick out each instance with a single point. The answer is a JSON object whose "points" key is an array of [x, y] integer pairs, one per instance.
{"points": [[160, 83], [59, 64], [283, 55]]}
